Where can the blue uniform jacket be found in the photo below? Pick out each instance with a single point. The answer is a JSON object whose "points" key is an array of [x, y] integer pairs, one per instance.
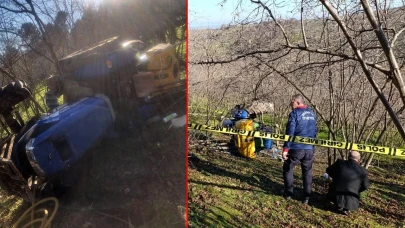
{"points": [[301, 122]]}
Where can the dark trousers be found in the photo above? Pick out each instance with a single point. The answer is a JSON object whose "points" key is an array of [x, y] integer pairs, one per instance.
{"points": [[305, 157], [345, 200]]}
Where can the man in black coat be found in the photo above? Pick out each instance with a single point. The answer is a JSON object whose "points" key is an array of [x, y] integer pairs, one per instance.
{"points": [[349, 179]]}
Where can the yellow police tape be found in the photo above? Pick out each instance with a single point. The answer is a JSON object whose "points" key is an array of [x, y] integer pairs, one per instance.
{"points": [[304, 140]]}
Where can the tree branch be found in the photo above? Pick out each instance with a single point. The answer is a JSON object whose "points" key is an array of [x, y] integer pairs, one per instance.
{"points": [[302, 24], [8, 75], [396, 37], [344, 56], [26, 43], [14, 11], [398, 80], [364, 66], [283, 75], [319, 51], [274, 19], [212, 61]]}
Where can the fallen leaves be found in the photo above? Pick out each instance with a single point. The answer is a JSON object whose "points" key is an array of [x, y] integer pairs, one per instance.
{"points": [[252, 188]]}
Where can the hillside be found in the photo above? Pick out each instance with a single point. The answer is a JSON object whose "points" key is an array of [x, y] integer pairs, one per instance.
{"points": [[230, 191], [341, 64], [270, 62]]}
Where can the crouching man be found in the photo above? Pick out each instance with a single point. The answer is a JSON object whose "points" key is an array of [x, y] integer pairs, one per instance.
{"points": [[349, 179]]}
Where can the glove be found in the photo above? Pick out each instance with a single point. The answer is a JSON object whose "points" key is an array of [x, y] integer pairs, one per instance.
{"points": [[285, 155]]}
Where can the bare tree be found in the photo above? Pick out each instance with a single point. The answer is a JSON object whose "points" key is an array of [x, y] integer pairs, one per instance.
{"points": [[342, 64]]}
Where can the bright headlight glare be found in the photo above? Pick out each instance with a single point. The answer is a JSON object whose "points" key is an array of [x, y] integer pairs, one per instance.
{"points": [[143, 57]]}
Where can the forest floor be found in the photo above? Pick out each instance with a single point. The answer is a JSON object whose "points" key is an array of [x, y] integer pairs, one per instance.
{"points": [[226, 190]]}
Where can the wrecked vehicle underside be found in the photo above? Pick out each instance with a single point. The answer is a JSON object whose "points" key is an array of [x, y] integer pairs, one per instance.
{"points": [[113, 87]]}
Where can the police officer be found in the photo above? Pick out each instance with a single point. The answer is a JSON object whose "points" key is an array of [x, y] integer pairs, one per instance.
{"points": [[301, 122]]}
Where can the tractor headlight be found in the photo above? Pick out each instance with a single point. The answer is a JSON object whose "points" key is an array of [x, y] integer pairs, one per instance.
{"points": [[143, 57], [29, 149]]}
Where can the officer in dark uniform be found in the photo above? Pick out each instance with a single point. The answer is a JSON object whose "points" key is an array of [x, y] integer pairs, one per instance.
{"points": [[301, 122]]}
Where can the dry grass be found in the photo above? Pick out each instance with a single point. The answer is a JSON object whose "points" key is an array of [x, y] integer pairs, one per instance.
{"points": [[230, 191]]}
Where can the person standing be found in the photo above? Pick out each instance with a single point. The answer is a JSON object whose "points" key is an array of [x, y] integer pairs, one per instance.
{"points": [[349, 179], [301, 122]]}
